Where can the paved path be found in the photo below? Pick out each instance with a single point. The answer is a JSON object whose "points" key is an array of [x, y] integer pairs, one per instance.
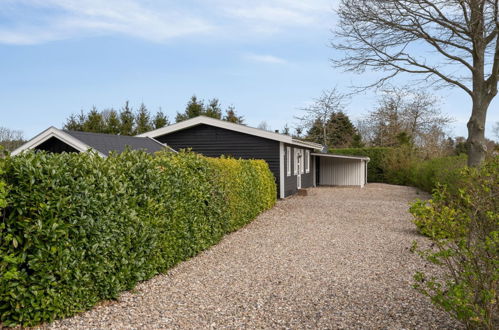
{"points": [[338, 258]]}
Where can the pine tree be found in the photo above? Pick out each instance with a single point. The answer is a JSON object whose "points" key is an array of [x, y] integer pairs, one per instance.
{"points": [[143, 120], [213, 109], [94, 122], [193, 109], [75, 122], [111, 121], [127, 120], [160, 120], [341, 130], [231, 116]]}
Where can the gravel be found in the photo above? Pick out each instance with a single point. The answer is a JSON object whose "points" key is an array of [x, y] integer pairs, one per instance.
{"points": [[337, 258]]}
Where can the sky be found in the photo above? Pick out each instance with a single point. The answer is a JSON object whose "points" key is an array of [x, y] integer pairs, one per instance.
{"points": [[268, 58]]}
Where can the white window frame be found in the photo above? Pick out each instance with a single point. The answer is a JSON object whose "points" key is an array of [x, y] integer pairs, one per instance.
{"points": [[288, 161], [295, 161], [307, 161], [302, 162]]}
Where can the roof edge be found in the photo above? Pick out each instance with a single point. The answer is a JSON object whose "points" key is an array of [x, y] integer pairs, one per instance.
{"points": [[59, 134], [203, 120]]}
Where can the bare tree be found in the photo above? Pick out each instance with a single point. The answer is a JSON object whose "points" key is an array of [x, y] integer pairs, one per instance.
{"points": [[10, 139], [318, 113], [395, 36], [403, 112], [264, 126]]}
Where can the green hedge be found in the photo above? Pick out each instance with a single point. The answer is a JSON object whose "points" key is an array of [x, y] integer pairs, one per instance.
{"points": [[375, 172], [79, 228], [445, 170]]}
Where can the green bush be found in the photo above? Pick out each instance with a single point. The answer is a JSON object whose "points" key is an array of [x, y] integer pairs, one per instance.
{"points": [[79, 228], [463, 224], [375, 170], [398, 164], [445, 170]]}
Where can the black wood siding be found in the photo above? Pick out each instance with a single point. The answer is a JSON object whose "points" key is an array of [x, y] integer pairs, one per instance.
{"points": [[56, 146], [214, 142], [307, 179]]}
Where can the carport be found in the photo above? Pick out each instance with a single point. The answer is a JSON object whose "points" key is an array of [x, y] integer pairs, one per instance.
{"points": [[340, 170]]}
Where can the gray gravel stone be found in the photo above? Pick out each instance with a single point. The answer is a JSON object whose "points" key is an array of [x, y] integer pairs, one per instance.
{"points": [[337, 258]]}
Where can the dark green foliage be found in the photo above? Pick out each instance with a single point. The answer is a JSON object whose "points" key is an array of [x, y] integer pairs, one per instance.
{"points": [[463, 224], [193, 109], [445, 170], [111, 121], [125, 122], [213, 109], [341, 131], [338, 131], [160, 120], [375, 171], [143, 120], [79, 229]]}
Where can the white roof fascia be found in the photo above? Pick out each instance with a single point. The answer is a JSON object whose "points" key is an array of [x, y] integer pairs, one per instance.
{"points": [[341, 156], [307, 144], [200, 120], [60, 135]]}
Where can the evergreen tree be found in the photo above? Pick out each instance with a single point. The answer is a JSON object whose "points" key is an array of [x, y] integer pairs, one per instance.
{"points": [[94, 122], [231, 116], [213, 109], [111, 121], [127, 120], [193, 109], [75, 122], [160, 120], [143, 120], [316, 132], [341, 130]]}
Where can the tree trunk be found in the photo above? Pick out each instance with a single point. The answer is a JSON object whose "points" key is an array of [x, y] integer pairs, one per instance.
{"points": [[476, 130]]}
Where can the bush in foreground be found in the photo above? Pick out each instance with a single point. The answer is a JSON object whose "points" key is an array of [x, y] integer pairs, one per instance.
{"points": [[463, 224], [79, 228]]}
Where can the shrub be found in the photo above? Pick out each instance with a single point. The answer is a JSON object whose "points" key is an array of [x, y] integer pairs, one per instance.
{"points": [[398, 164], [463, 224], [79, 228], [3, 186], [445, 170], [375, 170]]}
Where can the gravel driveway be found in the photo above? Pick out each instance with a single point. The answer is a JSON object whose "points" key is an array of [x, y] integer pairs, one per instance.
{"points": [[337, 258]]}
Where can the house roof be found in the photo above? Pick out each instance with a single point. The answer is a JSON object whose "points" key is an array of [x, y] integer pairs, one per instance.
{"points": [[340, 156], [202, 120], [106, 143], [103, 144]]}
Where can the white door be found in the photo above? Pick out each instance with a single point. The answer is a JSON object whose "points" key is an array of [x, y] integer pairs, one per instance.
{"points": [[298, 167]]}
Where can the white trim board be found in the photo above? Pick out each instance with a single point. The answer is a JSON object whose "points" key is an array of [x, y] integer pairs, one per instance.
{"points": [[341, 156], [281, 170], [202, 120], [58, 134]]}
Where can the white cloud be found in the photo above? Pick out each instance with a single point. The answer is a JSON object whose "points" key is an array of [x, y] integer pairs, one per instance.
{"points": [[38, 21], [73, 18], [265, 58]]}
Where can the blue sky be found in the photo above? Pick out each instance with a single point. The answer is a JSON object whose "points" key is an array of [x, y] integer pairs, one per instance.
{"points": [[267, 58]]}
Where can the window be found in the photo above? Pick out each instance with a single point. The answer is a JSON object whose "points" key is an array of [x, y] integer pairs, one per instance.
{"points": [[288, 161], [307, 161]]}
